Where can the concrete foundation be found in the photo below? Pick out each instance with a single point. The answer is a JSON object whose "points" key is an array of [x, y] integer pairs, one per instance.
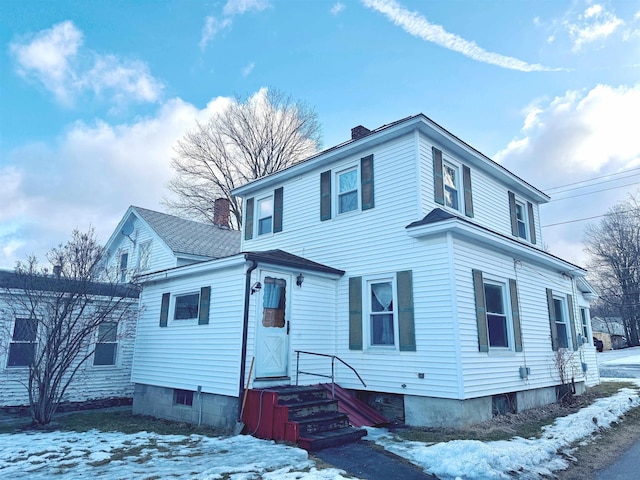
{"points": [[442, 412], [207, 409]]}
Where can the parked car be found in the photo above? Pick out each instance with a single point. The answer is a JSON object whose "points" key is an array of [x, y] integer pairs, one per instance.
{"points": [[598, 344]]}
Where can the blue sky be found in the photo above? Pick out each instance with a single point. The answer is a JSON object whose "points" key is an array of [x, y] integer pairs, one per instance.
{"points": [[94, 95]]}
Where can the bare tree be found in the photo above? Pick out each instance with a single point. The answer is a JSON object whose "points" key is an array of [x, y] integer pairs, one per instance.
{"points": [[250, 138], [57, 316], [614, 248]]}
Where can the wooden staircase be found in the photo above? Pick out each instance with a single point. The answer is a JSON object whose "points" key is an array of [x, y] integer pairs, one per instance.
{"points": [[306, 416]]}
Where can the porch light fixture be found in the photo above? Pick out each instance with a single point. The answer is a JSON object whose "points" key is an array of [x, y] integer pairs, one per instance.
{"points": [[256, 287], [299, 280]]}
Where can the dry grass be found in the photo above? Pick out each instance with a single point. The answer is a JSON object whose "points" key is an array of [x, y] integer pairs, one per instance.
{"points": [[503, 427]]}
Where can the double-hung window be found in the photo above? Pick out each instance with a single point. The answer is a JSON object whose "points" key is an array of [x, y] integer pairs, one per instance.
{"points": [[561, 322], [124, 260], [522, 218], [497, 317], [450, 178], [144, 256], [265, 215], [106, 344], [23, 342], [497, 313], [584, 319], [382, 316], [452, 183], [347, 188]]}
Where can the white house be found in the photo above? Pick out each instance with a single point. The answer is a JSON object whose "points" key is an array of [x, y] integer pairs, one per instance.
{"points": [[143, 241], [25, 308], [404, 252]]}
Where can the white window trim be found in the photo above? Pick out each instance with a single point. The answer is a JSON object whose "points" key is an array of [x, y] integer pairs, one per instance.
{"points": [[525, 218], [172, 308], [565, 317], [117, 343], [147, 244], [457, 166], [336, 188], [587, 315], [256, 227], [506, 305], [123, 273], [367, 282]]}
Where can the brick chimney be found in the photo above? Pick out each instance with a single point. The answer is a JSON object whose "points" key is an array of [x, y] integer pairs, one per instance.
{"points": [[359, 132], [221, 212]]}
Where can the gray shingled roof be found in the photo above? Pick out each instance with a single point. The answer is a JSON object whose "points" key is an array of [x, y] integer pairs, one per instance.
{"points": [[188, 237]]}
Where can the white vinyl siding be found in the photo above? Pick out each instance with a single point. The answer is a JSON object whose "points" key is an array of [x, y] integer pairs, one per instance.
{"points": [[184, 354], [490, 197]]}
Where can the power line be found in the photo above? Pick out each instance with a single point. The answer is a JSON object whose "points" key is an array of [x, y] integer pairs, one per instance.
{"points": [[584, 219], [595, 191], [597, 183], [594, 178]]}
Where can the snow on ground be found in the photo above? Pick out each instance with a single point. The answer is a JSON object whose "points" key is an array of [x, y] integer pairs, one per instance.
{"points": [[148, 455], [524, 458]]}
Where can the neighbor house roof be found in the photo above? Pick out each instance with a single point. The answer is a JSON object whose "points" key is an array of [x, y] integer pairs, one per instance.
{"points": [[191, 237], [185, 238], [50, 283]]}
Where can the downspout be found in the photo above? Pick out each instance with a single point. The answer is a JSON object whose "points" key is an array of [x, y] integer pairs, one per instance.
{"points": [[245, 327]]}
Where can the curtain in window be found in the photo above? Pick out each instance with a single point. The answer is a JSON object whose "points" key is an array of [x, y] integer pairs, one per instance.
{"points": [[273, 302]]}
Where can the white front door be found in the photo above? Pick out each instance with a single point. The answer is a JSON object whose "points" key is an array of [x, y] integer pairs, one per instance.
{"points": [[272, 332]]}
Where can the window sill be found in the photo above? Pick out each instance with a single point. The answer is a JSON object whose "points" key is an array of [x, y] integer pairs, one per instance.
{"points": [[497, 352]]}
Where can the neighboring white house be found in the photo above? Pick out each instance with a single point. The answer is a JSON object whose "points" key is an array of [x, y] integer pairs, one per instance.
{"points": [[25, 304], [143, 241], [403, 251], [146, 241]]}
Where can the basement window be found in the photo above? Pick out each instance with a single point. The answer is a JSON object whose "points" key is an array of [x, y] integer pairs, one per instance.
{"points": [[183, 397], [503, 404]]}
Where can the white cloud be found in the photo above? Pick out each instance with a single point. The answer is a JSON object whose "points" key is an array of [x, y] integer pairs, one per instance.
{"points": [[238, 7], [596, 23], [211, 28], [337, 8], [248, 69], [212, 25], [55, 58], [418, 26], [89, 177], [574, 137]]}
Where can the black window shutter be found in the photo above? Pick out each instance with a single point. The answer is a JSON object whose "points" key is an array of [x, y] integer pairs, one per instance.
{"points": [[248, 220], [552, 320], [481, 311], [438, 180], [355, 313], [277, 210], [532, 222], [366, 177], [406, 324], [164, 309], [325, 195], [466, 185], [203, 309], [515, 314], [512, 212], [572, 322]]}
